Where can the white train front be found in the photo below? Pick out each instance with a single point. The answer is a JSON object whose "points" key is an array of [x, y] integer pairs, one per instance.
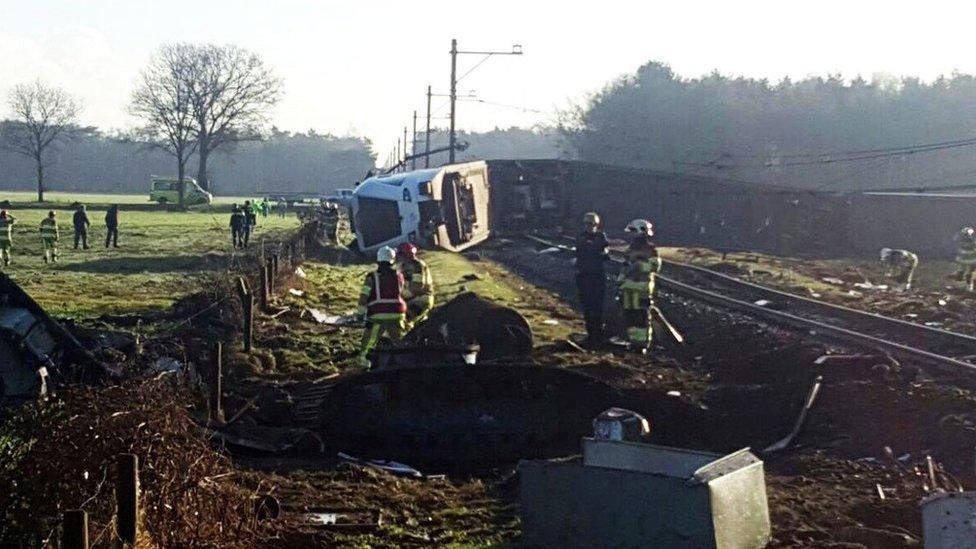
{"points": [[445, 207]]}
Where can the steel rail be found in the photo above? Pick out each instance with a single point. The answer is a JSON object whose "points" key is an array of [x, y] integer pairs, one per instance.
{"points": [[882, 342]]}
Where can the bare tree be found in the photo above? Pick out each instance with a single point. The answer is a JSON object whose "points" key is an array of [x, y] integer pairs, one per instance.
{"points": [[231, 90], [162, 100], [42, 116]]}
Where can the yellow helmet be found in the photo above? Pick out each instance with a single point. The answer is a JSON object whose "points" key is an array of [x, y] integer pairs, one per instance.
{"points": [[591, 218]]}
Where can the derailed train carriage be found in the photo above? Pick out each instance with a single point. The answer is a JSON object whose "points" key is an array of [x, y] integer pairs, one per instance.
{"points": [[457, 206]]}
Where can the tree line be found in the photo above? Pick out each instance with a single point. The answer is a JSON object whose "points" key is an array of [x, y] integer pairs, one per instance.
{"points": [[118, 163], [824, 133]]}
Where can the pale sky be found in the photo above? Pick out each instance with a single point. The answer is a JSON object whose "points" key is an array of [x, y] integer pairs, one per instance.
{"points": [[362, 67]]}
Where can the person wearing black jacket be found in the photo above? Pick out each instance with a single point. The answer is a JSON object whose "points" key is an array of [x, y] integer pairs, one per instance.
{"points": [[81, 223], [237, 227], [112, 226], [591, 255]]}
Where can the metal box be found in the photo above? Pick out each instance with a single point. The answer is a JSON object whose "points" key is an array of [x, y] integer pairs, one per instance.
{"points": [[949, 521], [627, 494]]}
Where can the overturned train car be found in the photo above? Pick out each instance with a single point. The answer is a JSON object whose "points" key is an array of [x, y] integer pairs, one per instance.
{"points": [[458, 206]]}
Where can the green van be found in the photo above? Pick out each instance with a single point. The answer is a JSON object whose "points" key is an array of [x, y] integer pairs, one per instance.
{"points": [[165, 190]]}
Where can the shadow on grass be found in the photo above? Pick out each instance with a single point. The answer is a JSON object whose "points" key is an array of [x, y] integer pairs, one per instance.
{"points": [[152, 264]]}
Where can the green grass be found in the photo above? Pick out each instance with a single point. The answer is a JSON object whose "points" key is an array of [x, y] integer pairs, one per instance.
{"points": [[162, 256], [60, 197], [334, 288]]}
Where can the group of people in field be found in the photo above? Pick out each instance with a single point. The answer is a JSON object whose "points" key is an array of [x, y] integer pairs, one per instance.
{"points": [[50, 232]]}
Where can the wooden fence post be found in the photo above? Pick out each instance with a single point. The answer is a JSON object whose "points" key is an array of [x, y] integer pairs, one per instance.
{"points": [[216, 383], [269, 267], [75, 530], [247, 307], [265, 286], [127, 498]]}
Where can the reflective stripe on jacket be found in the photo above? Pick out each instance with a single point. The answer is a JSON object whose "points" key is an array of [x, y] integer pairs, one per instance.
{"points": [[382, 295], [5, 229], [49, 228], [417, 279]]}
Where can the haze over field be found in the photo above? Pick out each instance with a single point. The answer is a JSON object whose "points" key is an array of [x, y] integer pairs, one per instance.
{"points": [[352, 75], [362, 67]]}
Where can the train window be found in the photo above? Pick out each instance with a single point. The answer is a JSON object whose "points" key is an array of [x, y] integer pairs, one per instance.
{"points": [[377, 220]]}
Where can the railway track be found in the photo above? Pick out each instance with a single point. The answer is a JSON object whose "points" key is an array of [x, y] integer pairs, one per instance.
{"points": [[949, 352]]}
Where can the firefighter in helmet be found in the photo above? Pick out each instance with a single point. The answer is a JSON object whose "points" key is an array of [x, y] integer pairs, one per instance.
{"points": [[636, 284], [418, 285], [901, 266], [381, 303], [966, 257]]}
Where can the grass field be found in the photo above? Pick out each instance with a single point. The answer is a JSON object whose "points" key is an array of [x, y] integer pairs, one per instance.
{"points": [[162, 256], [59, 197]]}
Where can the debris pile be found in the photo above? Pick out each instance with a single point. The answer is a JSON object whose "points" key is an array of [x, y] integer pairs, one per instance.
{"points": [[188, 491]]}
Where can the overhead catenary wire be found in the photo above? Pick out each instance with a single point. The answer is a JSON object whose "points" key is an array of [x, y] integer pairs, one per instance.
{"points": [[774, 161]]}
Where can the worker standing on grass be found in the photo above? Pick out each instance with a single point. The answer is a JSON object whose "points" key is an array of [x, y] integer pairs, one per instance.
{"points": [[112, 226], [6, 228], [330, 218], [901, 266], [250, 220], [236, 227], [50, 236], [381, 303], [418, 285], [966, 257], [265, 207], [591, 256], [81, 223], [636, 285]]}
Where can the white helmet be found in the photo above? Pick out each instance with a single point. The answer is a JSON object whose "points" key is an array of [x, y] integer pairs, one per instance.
{"points": [[885, 254], [591, 218], [641, 226], [968, 231], [386, 254]]}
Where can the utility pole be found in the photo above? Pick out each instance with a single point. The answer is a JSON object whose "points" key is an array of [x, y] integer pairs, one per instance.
{"points": [[427, 135], [396, 158], [450, 143], [516, 50], [413, 144], [404, 148]]}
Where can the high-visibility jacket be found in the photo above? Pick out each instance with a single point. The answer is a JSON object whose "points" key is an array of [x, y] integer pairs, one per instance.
{"points": [[5, 229], [966, 251], [636, 282], [330, 218], [416, 278], [49, 229], [381, 297]]}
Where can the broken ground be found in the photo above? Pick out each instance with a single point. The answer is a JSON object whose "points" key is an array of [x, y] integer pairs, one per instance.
{"points": [[736, 383]]}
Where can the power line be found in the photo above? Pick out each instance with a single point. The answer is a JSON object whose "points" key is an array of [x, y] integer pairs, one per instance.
{"points": [[854, 152], [883, 153]]}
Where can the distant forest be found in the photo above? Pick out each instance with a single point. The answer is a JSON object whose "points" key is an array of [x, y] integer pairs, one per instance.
{"points": [[776, 133], [823, 133], [284, 161]]}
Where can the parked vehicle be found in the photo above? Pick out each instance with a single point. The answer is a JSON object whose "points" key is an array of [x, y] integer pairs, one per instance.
{"points": [[166, 190]]}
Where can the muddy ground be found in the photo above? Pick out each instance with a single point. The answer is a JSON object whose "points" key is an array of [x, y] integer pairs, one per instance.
{"points": [[738, 382], [853, 477], [936, 299]]}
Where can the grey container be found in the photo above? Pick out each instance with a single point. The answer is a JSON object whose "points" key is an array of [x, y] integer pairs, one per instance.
{"points": [[949, 521], [627, 494]]}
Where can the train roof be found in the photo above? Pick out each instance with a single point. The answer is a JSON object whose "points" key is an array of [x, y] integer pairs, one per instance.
{"points": [[399, 178]]}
